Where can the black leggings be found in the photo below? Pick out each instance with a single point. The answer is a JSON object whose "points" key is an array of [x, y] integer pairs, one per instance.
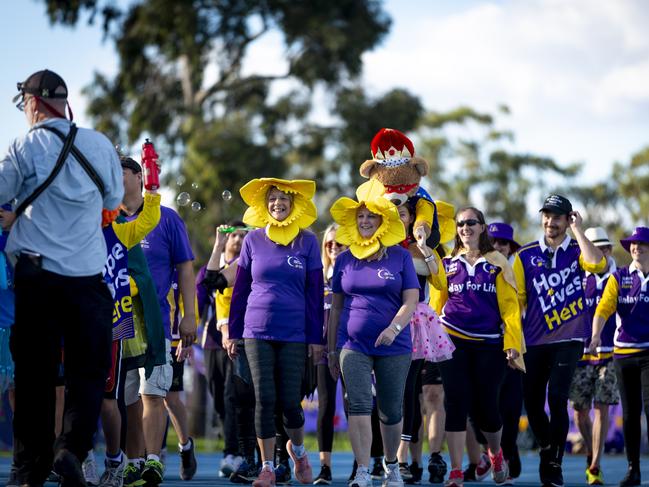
{"points": [[411, 407], [472, 380], [277, 370], [326, 408], [633, 380], [550, 367]]}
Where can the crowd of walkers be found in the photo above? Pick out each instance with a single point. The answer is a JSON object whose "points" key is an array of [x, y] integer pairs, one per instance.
{"points": [[97, 284]]}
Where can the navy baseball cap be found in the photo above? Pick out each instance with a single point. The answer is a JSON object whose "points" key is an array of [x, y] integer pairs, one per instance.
{"points": [[555, 203]]}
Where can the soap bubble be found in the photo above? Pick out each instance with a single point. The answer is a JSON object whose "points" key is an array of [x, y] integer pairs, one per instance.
{"points": [[226, 195], [195, 185], [196, 206], [183, 199], [180, 181]]}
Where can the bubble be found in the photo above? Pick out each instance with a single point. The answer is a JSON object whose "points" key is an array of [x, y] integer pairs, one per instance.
{"points": [[226, 195], [196, 206], [180, 181], [183, 199], [195, 185]]}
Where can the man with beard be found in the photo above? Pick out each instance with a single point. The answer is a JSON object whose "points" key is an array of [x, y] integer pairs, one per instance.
{"points": [[550, 275]]}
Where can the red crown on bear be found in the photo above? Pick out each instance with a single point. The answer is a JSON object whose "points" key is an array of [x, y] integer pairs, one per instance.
{"points": [[390, 145]]}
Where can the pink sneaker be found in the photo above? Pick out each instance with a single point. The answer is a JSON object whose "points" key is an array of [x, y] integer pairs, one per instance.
{"points": [[483, 468], [500, 471], [301, 467], [266, 478]]}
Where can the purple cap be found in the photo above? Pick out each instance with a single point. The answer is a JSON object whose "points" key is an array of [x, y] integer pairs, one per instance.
{"points": [[503, 231], [640, 234]]}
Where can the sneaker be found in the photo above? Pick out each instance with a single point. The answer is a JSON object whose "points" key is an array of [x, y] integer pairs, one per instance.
{"points": [[54, 477], [631, 478], [266, 478], [133, 474], [469, 473], [301, 467], [188, 462], [594, 476], [352, 475], [499, 472], [483, 468], [229, 465], [245, 474], [404, 470], [324, 477], [89, 468], [554, 475], [283, 473], [163, 455], [416, 472], [113, 475], [392, 475], [377, 472], [362, 478], [68, 466], [455, 479], [437, 468], [153, 472], [13, 481], [514, 465]]}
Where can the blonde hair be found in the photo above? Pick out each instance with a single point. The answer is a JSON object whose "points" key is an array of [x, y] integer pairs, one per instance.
{"points": [[324, 255]]}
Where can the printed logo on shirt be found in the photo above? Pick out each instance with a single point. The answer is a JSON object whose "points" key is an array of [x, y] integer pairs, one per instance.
{"points": [[626, 282], [144, 243], [383, 273], [489, 268], [560, 295], [294, 262], [452, 268], [538, 261]]}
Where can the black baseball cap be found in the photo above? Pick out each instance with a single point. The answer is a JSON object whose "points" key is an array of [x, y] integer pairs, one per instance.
{"points": [[555, 203], [130, 163], [44, 84]]}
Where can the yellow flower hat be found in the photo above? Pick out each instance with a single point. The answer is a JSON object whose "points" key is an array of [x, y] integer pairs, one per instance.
{"points": [[390, 232], [303, 211]]}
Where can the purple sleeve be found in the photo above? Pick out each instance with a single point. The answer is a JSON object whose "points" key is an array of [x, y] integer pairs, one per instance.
{"points": [[240, 292], [314, 291], [409, 275], [336, 284], [201, 293]]}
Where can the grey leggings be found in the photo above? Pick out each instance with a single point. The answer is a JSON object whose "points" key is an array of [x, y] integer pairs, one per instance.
{"points": [[390, 373], [277, 369]]}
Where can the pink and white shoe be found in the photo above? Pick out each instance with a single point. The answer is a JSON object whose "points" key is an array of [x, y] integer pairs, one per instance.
{"points": [[301, 467], [266, 478], [499, 471]]}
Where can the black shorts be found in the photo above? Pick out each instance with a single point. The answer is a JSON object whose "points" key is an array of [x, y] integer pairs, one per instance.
{"points": [[430, 374], [113, 386], [177, 384]]}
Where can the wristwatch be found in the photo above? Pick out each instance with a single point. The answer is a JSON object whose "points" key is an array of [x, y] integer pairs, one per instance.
{"points": [[397, 327]]}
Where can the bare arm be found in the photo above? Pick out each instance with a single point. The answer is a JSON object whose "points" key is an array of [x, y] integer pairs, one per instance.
{"points": [[590, 253], [332, 333], [187, 327], [410, 298]]}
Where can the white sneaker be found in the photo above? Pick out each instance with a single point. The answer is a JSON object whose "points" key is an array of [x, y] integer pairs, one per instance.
{"points": [[113, 475], [392, 475], [89, 468], [229, 465], [362, 478]]}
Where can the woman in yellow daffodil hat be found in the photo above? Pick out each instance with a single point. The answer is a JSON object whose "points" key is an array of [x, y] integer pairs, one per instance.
{"points": [[277, 308], [375, 292]]}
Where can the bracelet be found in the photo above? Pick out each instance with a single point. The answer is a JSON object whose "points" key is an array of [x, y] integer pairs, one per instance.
{"points": [[430, 258], [331, 353]]}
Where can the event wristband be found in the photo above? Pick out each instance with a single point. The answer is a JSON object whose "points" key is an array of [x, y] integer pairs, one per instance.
{"points": [[430, 258], [332, 353], [396, 327]]}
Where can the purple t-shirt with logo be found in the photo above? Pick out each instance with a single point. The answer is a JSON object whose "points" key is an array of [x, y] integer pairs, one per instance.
{"points": [[472, 307], [372, 296], [278, 290], [166, 246], [633, 309]]}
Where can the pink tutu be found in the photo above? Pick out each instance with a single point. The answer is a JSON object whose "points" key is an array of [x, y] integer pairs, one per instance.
{"points": [[429, 339]]}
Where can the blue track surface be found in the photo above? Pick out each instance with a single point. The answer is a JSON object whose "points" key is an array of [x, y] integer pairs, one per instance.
{"points": [[614, 468]]}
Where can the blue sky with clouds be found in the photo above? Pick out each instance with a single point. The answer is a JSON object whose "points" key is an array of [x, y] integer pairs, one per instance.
{"points": [[575, 73]]}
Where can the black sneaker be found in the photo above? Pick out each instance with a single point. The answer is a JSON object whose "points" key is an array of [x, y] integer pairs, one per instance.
{"points": [[352, 475], [282, 474], [68, 466], [188, 462], [469, 473], [631, 478], [436, 468], [133, 474], [377, 472], [404, 470], [514, 465], [416, 472], [553, 475], [324, 477], [153, 472], [245, 474], [13, 481]]}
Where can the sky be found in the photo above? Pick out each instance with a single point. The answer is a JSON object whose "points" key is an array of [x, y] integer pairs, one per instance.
{"points": [[574, 73]]}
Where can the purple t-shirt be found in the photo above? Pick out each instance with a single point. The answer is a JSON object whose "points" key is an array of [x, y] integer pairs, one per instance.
{"points": [[472, 308], [166, 246], [278, 291], [372, 296], [633, 309]]}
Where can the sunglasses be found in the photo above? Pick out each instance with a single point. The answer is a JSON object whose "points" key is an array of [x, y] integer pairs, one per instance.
{"points": [[470, 222], [332, 243]]}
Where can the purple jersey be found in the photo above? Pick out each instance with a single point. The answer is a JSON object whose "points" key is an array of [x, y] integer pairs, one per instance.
{"points": [[472, 308], [166, 246], [372, 296], [594, 288], [278, 291], [633, 309], [556, 305]]}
